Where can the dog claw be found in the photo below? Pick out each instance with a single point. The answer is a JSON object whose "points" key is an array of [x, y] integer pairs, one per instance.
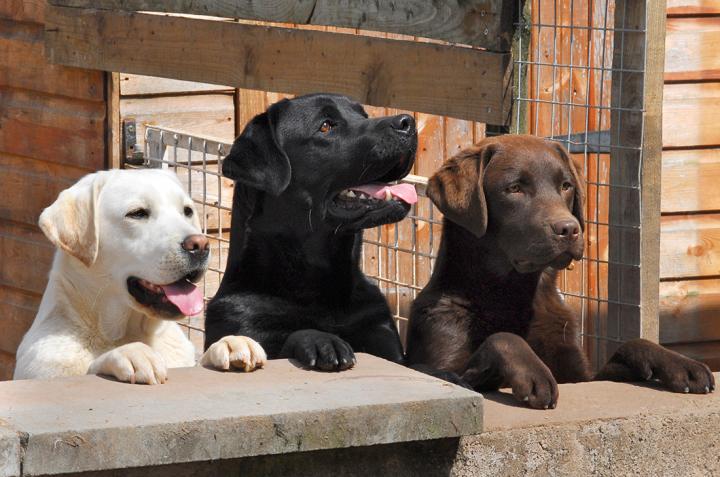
{"points": [[686, 390], [707, 389]]}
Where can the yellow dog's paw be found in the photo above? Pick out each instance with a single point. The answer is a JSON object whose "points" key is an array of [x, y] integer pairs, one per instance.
{"points": [[238, 352], [134, 363]]}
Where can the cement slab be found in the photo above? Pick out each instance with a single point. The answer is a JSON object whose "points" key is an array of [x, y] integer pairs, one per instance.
{"points": [[92, 423]]}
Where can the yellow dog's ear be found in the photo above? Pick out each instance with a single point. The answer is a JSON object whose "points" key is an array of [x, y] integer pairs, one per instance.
{"points": [[70, 223]]}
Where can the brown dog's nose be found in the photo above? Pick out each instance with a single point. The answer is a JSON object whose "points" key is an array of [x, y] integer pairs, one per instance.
{"points": [[403, 123], [568, 229], [196, 244]]}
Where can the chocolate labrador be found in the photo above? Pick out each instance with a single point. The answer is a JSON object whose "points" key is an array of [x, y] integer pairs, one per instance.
{"points": [[310, 174], [491, 312]]}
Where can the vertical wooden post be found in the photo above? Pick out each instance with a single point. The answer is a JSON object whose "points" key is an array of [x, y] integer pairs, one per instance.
{"points": [[635, 166], [113, 134]]}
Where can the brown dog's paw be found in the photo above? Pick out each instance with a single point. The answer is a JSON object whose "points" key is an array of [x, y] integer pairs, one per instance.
{"points": [[684, 375], [534, 385]]}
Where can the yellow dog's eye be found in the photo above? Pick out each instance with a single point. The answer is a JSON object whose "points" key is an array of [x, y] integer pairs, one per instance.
{"points": [[326, 127], [138, 214], [188, 211]]}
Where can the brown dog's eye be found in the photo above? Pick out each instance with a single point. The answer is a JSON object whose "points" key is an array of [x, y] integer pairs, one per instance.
{"points": [[138, 214], [326, 127], [188, 211], [566, 186], [513, 189]]}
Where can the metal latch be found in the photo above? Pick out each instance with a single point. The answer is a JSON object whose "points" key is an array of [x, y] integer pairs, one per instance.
{"points": [[132, 155]]}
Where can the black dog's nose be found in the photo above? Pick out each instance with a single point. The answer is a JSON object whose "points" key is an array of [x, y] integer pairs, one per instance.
{"points": [[197, 245], [403, 123], [569, 229]]}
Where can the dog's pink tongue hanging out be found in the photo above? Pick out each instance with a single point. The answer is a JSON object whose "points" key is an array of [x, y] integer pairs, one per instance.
{"points": [[378, 190], [186, 296]]}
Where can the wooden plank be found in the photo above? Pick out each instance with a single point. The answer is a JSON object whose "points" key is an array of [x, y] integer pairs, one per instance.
{"points": [[51, 128], [30, 185], [139, 85], [690, 179], [690, 311], [708, 353], [482, 23], [17, 309], [633, 285], [208, 115], [7, 366], [690, 115], [26, 257], [23, 65], [690, 246], [692, 46], [23, 10], [459, 82], [693, 7]]}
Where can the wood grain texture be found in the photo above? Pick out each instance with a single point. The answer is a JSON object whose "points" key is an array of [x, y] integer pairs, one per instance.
{"points": [[22, 65], [690, 180], [52, 128], [30, 185], [203, 115], [690, 311], [32, 11], [692, 49], [26, 257], [481, 23], [17, 309], [690, 246], [454, 81], [134, 85], [690, 115], [693, 7]]}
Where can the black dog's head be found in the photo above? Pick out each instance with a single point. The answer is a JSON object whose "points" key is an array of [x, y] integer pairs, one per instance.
{"points": [[522, 192], [322, 163]]}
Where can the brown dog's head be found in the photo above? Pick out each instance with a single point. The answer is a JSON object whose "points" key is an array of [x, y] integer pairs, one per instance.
{"points": [[522, 192]]}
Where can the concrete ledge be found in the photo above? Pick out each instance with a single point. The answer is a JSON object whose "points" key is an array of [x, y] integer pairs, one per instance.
{"points": [[91, 423], [601, 428]]}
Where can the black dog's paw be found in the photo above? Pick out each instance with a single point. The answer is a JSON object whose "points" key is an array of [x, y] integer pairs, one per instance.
{"points": [[317, 349], [448, 376]]}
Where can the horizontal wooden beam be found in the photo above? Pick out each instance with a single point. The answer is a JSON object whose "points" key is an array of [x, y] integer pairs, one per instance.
{"points": [[451, 81], [483, 23]]}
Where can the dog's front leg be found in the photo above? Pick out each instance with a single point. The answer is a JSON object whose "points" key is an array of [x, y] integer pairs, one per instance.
{"points": [[318, 349], [505, 359], [642, 360], [134, 363]]}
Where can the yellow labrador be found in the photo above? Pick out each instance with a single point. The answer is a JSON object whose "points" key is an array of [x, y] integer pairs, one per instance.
{"points": [[129, 252]]}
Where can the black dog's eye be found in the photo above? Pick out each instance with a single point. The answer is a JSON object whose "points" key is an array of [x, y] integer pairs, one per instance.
{"points": [[188, 211], [138, 214], [513, 189], [566, 186], [326, 126]]}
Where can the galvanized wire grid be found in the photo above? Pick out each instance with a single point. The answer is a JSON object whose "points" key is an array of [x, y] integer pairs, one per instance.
{"points": [[392, 255], [557, 93], [564, 66]]}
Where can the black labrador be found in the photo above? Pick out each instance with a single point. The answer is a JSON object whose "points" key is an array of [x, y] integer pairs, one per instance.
{"points": [[310, 174], [491, 312]]}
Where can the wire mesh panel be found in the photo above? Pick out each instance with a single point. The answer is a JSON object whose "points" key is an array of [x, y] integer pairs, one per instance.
{"points": [[578, 78], [397, 257]]}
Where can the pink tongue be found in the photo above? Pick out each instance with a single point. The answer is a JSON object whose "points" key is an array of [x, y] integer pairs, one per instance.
{"points": [[186, 296], [404, 192]]}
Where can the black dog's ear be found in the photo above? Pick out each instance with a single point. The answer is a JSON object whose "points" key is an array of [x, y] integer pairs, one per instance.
{"points": [[579, 200], [457, 188], [256, 159]]}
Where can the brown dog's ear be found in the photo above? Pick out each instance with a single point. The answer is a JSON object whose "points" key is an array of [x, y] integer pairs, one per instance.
{"points": [[70, 222], [256, 158], [457, 188], [579, 200]]}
